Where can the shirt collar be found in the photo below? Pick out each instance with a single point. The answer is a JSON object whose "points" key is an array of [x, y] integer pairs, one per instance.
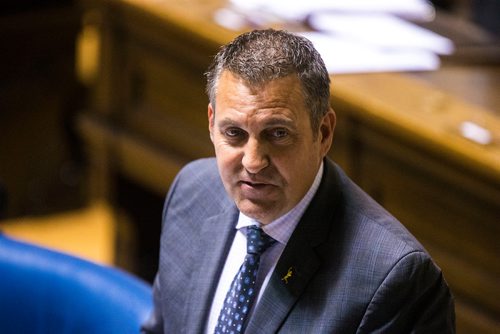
{"points": [[282, 228]]}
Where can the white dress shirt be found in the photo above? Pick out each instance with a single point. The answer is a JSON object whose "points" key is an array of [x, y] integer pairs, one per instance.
{"points": [[280, 229]]}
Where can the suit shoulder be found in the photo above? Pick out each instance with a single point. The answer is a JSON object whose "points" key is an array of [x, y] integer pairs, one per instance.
{"points": [[369, 218], [198, 184], [199, 173], [202, 167]]}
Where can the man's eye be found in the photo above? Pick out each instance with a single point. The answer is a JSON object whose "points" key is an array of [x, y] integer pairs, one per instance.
{"points": [[233, 132], [279, 133]]}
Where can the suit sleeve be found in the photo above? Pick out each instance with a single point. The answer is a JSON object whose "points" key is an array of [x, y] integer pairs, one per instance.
{"points": [[413, 298], [154, 324]]}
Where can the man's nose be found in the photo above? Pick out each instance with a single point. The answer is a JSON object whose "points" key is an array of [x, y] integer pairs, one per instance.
{"points": [[255, 157]]}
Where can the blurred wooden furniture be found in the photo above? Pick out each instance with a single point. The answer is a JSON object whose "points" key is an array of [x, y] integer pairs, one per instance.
{"points": [[38, 100], [89, 233], [398, 135]]}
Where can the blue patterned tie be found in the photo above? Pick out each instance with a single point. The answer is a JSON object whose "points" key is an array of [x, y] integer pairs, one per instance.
{"points": [[242, 293]]}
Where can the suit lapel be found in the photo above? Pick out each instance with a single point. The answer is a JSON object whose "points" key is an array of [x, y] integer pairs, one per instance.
{"points": [[299, 261], [217, 234], [279, 296]]}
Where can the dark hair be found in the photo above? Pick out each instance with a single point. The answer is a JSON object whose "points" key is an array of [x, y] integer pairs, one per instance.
{"points": [[261, 56]]}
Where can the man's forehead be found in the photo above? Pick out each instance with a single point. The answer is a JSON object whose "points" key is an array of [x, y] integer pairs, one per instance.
{"points": [[256, 82]]}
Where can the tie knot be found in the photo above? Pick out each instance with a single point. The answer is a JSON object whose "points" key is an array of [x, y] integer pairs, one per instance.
{"points": [[257, 240]]}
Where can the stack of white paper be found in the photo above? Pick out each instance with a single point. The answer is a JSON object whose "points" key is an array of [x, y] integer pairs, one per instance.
{"points": [[375, 43], [345, 56], [382, 31], [300, 9], [353, 36]]}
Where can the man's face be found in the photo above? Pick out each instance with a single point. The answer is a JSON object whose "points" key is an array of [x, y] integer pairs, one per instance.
{"points": [[266, 151]]}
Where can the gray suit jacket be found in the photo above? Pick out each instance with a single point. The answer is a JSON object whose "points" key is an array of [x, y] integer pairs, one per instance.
{"points": [[356, 269]]}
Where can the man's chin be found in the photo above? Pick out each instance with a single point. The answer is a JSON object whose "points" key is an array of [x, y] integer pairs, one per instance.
{"points": [[263, 212]]}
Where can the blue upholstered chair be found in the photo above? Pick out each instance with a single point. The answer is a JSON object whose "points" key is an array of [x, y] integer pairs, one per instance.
{"points": [[44, 291]]}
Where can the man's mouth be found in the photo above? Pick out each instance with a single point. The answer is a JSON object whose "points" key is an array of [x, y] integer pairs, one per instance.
{"points": [[254, 184]]}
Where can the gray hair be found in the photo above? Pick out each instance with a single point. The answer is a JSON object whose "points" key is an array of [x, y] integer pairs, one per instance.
{"points": [[261, 56]]}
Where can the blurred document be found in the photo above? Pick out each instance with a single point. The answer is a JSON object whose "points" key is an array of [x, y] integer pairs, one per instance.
{"points": [[300, 9], [345, 56], [355, 36], [382, 30]]}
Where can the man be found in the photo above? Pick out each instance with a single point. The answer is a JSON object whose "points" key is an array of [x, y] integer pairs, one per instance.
{"points": [[337, 261]]}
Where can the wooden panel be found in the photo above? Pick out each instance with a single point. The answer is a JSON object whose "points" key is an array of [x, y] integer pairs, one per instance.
{"points": [[167, 102], [88, 233]]}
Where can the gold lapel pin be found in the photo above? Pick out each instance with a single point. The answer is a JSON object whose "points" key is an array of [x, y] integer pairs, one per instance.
{"points": [[288, 275]]}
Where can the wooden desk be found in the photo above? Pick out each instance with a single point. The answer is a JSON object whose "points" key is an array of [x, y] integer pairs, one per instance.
{"points": [[88, 233], [398, 137]]}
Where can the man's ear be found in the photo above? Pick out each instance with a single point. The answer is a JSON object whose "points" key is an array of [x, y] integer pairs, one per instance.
{"points": [[326, 130], [211, 120]]}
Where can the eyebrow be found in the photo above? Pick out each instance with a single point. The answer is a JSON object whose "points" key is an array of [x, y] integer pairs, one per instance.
{"points": [[281, 122], [226, 122], [276, 121]]}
